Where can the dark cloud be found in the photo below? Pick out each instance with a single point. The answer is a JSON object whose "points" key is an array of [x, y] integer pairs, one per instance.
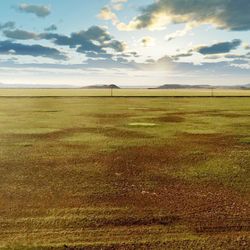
{"points": [[91, 54], [224, 14], [20, 34], [8, 25], [134, 53], [219, 48], [38, 10], [57, 39], [52, 27], [8, 47], [116, 45], [95, 39]]}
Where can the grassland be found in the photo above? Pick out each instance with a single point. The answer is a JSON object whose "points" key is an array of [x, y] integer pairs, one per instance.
{"points": [[124, 173], [122, 92]]}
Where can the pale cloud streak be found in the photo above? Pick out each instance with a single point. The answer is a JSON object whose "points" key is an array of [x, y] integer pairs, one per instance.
{"points": [[117, 4], [180, 33]]}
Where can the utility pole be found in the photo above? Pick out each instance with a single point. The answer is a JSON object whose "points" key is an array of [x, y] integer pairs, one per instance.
{"points": [[212, 92], [111, 91]]}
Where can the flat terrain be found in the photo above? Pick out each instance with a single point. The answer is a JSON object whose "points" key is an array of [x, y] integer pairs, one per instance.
{"points": [[124, 173], [122, 92]]}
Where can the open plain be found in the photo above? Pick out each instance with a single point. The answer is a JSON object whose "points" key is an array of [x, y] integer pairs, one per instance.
{"points": [[124, 173]]}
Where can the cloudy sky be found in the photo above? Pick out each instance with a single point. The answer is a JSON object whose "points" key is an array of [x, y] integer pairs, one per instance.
{"points": [[125, 42]]}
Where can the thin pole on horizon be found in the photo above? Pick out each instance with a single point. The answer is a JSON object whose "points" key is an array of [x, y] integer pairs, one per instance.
{"points": [[212, 92], [111, 91]]}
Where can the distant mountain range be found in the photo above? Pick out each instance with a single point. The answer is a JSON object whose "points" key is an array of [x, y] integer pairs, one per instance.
{"points": [[180, 86]]}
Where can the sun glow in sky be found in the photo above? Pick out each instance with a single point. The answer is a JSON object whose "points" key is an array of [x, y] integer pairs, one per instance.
{"points": [[125, 42]]}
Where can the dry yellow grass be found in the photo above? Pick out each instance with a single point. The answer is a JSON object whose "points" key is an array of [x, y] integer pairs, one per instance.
{"points": [[122, 92]]}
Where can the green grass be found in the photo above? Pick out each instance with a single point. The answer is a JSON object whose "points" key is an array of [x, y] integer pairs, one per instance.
{"points": [[94, 173]]}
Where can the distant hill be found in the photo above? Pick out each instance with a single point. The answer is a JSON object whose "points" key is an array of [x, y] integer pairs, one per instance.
{"points": [[247, 86], [113, 86], [180, 86]]}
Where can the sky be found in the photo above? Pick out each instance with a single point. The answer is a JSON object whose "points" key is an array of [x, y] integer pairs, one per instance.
{"points": [[133, 43]]}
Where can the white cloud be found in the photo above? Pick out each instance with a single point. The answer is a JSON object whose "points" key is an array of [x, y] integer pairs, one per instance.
{"points": [[180, 33], [107, 14]]}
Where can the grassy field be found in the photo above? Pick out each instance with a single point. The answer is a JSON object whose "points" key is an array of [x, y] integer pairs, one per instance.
{"points": [[123, 92], [124, 173]]}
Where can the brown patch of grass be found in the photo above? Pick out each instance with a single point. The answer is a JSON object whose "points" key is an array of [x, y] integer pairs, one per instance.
{"points": [[132, 158], [212, 142], [232, 115], [170, 119], [47, 111], [139, 177], [216, 113]]}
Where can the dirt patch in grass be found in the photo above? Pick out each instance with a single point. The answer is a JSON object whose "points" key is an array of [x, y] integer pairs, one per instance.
{"points": [[170, 119]]}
